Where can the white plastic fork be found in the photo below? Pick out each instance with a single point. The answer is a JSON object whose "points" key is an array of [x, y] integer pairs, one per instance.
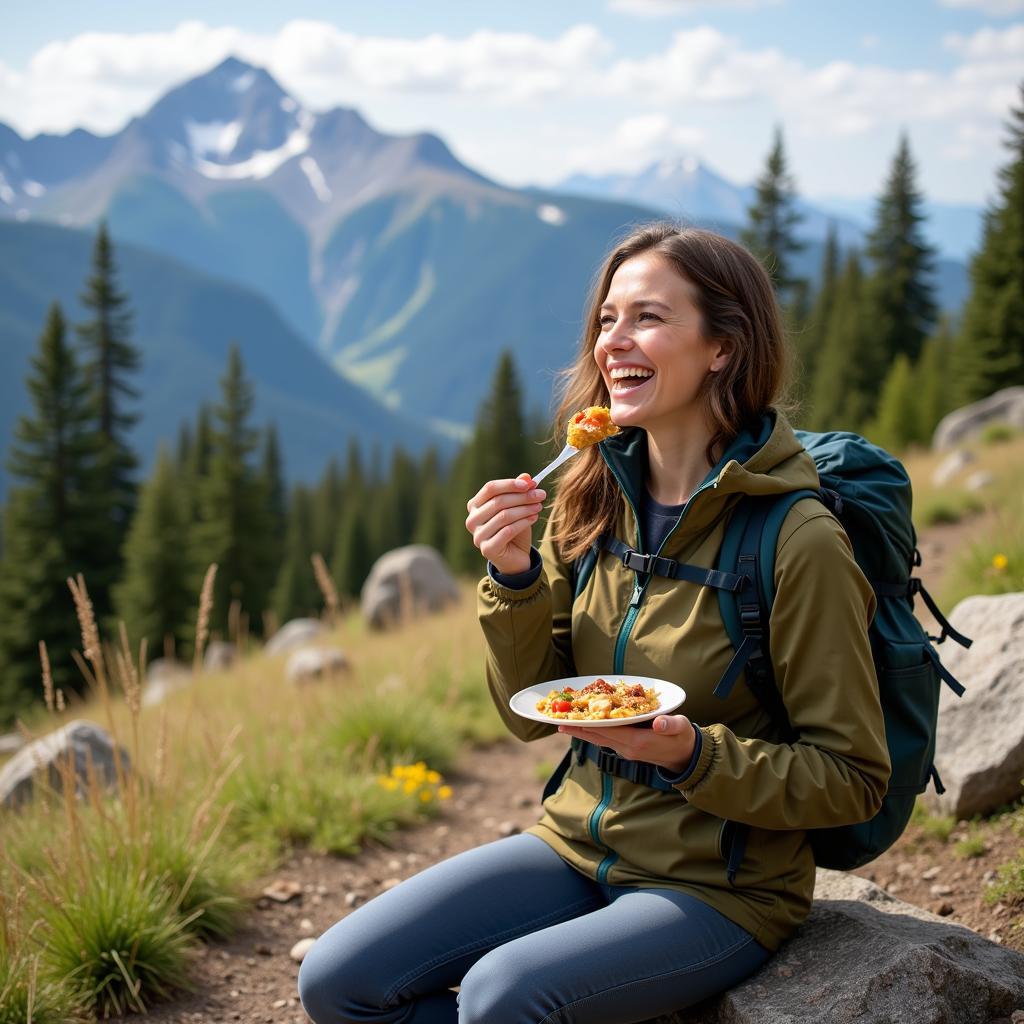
{"points": [[563, 456]]}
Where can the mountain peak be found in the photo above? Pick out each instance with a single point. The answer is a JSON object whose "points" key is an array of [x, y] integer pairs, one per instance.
{"points": [[226, 116]]}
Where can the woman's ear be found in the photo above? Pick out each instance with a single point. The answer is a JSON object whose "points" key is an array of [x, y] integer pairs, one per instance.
{"points": [[721, 353]]}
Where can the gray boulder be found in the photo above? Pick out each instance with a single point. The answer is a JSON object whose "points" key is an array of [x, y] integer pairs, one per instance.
{"points": [[164, 676], [315, 663], [293, 635], [407, 582], [89, 748], [219, 655], [865, 957], [980, 747], [1006, 406]]}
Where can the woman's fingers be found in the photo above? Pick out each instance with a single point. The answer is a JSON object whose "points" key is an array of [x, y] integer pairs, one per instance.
{"points": [[493, 541], [492, 488], [501, 506], [668, 745]]}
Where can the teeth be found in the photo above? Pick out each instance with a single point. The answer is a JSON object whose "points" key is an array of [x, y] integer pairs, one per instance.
{"points": [[621, 372]]}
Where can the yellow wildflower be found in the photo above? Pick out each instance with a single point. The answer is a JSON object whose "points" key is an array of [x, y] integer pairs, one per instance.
{"points": [[411, 785], [1000, 562], [444, 792], [426, 796], [433, 777]]}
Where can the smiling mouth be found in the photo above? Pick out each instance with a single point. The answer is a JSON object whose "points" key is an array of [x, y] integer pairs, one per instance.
{"points": [[628, 378]]}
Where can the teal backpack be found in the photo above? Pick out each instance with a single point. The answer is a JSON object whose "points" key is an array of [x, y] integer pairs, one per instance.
{"points": [[869, 492]]}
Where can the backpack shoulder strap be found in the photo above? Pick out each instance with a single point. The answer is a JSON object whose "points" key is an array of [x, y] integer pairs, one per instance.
{"points": [[749, 549]]}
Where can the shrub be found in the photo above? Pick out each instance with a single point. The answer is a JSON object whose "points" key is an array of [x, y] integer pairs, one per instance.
{"points": [[997, 433], [115, 939]]}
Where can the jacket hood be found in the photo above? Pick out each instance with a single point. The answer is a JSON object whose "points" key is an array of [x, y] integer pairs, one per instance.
{"points": [[769, 460]]}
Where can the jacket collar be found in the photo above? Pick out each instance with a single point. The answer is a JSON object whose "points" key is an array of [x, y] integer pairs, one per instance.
{"points": [[764, 459]]}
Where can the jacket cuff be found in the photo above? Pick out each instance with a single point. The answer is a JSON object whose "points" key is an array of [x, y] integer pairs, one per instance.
{"points": [[705, 760], [518, 580], [676, 779]]}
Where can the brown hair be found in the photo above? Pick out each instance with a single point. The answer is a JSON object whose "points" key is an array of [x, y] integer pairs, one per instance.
{"points": [[737, 305]]}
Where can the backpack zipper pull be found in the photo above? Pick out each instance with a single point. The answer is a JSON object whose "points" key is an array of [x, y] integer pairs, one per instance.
{"points": [[634, 601]]}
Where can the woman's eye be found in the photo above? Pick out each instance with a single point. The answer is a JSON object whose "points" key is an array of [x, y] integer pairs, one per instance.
{"points": [[605, 321], [648, 316]]}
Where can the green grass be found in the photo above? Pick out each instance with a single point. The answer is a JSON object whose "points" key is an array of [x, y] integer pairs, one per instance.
{"points": [[395, 726], [228, 777], [114, 940], [945, 508], [934, 826], [973, 845]]}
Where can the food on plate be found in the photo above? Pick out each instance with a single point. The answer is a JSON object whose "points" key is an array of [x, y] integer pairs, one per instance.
{"points": [[600, 700], [591, 425]]}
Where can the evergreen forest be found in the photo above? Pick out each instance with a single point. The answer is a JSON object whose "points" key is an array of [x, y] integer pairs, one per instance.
{"points": [[871, 354]]}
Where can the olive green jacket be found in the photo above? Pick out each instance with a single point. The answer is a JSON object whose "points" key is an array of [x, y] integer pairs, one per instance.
{"points": [[625, 833]]}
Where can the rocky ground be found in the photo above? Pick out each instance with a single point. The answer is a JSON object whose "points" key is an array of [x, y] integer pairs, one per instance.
{"points": [[252, 978]]}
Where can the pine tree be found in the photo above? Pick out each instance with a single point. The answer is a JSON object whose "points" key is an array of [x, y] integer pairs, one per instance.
{"points": [[272, 474], [296, 594], [397, 509], [156, 597], [934, 385], [773, 218], [234, 528], [430, 518], [897, 423], [900, 292], [197, 466], [353, 553], [110, 359], [810, 338], [328, 500], [47, 533], [500, 447], [989, 353], [850, 365]]}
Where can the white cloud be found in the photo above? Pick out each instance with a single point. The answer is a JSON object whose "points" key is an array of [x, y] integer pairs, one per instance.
{"points": [[662, 8], [98, 80], [600, 107], [635, 143], [988, 43], [995, 8]]}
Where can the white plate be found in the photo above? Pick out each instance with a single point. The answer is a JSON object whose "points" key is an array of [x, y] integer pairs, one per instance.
{"points": [[524, 703]]}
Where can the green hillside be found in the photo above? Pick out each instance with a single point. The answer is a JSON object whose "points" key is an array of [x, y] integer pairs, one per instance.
{"points": [[184, 322]]}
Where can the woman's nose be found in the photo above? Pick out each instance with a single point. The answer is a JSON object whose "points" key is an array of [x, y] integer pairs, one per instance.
{"points": [[615, 337]]}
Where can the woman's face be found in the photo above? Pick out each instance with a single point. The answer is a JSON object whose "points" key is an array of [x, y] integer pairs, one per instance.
{"points": [[651, 350]]}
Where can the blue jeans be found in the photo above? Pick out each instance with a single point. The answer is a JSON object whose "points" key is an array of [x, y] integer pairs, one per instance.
{"points": [[529, 939]]}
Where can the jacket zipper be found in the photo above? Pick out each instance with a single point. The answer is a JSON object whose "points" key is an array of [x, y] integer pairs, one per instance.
{"points": [[618, 661]]}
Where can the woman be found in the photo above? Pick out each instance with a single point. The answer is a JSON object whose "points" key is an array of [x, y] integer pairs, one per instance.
{"points": [[630, 897]]}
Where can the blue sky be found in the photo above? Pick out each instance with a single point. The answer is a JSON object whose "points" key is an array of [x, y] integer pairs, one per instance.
{"points": [[531, 92]]}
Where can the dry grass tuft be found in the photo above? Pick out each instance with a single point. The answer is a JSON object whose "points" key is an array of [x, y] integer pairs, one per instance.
{"points": [[203, 618]]}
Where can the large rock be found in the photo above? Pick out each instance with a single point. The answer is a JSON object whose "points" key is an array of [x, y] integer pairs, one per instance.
{"points": [[219, 655], [311, 663], [89, 748], [865, 957], [164, 676], [1006, 406], [293, 635], [407, 582], [980, 749]]}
